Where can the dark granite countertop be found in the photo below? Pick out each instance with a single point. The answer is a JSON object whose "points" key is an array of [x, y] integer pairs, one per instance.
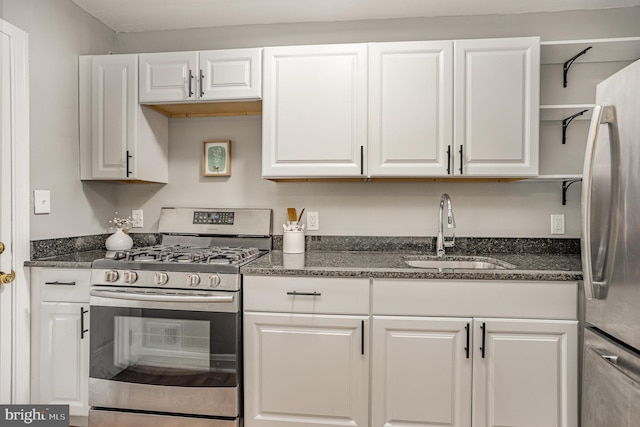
{"points": [[391, 265], [73, 260]]}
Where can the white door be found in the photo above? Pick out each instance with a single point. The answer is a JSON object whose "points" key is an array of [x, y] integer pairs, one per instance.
{"points": [[421, 372], [167, 77], [314, 111], [496, 106], [525, 373], [306, 370], [14, 215], [230, 74], [64, 356], [410, 108], [114, 93]]}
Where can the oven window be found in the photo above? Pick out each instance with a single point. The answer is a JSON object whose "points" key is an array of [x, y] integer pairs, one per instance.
{"points": [[165, 347]]}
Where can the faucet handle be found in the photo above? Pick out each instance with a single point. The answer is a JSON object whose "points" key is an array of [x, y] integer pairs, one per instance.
{"points": [[449, 243]]}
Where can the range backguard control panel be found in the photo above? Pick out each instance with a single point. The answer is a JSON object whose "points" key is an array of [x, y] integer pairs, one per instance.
{"points": [[201, 217]]}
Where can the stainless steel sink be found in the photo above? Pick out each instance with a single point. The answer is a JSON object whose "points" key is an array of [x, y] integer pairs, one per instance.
{"points": [[457, 263]]}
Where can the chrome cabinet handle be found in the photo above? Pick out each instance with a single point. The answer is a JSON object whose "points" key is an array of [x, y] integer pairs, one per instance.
{"points": [[601, 115]]}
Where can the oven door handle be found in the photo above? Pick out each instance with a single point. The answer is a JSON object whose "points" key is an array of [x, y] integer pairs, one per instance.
{"points": [[162, 298]]}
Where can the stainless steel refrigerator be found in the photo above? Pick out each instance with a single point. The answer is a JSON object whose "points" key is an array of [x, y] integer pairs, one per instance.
{"points": [[611, 255]]}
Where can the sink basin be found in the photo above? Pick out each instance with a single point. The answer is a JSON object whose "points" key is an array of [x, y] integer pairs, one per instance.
{"points": [[458, 263]]}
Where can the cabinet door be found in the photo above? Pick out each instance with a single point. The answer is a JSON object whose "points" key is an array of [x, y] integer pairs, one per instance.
{"points": [[305, 370], [314, 111], [496, 105], [421, 372], [168, 76], [527, 374], [114, 103], [64, 356], [410, 108], [230, 74]]}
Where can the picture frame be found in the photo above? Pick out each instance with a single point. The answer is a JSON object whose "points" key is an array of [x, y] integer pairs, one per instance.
{"points": [[216, 157]]}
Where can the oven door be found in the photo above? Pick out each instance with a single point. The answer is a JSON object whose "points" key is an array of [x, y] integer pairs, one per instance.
{"points": [[172, 352]]}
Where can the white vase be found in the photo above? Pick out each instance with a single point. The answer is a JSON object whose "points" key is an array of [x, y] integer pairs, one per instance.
{"points": [[119, 241]]}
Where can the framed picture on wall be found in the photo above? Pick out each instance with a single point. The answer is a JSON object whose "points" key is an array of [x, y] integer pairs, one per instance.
{"points": [[216, 157]]}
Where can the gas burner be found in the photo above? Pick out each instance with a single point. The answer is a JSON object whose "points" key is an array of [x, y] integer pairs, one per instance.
{"points": [[188, 254]]}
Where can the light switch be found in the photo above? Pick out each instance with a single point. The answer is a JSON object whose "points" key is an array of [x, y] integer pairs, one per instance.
{"points": [[41, 202]]}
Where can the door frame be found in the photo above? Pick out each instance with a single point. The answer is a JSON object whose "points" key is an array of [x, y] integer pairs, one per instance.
{"points": [[18, 328]]}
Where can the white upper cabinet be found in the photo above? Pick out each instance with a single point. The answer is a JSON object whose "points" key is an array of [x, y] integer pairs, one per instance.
{"points": [[214, 75], [120, 140], [314, 120], [435, 109], [496, 106], [410, 108]]}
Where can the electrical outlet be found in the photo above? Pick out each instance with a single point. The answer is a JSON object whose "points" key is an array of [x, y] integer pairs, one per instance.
{"points": [[557, 223], [137, 216], [313, 221]]}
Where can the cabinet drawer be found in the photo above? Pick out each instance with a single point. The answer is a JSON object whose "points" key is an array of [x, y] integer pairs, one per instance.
{"points": [[306, 294], [517, 299], [66, 285]]}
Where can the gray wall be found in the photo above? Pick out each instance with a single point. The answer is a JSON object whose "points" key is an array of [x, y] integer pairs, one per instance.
{"points": [[59, 32]]}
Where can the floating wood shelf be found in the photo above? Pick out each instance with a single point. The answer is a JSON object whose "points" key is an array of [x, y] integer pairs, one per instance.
{"points": [[209, 109]]}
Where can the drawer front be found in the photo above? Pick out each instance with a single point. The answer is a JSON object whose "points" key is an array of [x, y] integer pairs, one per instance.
{"points": [[66, 285], [306, 294], [518, 299]]}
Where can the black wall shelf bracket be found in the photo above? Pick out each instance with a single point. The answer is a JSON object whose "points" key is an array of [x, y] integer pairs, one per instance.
{"points": [[565, 124], [565, 186], [569, 63]]}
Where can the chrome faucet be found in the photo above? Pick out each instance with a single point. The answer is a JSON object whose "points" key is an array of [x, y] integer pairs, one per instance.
{"points": [[441, 242]]}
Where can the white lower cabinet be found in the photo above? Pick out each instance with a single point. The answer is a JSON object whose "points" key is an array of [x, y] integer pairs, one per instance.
{"points": [[306, 364], [466, 353], [474, 353], [525, 373], [421, 374], [306, 370], [504, 372], [64, 355], [60, 339]]}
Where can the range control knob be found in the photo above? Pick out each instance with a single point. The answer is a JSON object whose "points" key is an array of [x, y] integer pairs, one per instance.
{"points": [[213, 280], [160, 278], [193, 279], [130, 276], [111, 276]]}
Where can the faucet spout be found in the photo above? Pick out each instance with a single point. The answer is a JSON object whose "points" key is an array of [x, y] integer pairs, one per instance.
{"points": [[441, 242]]}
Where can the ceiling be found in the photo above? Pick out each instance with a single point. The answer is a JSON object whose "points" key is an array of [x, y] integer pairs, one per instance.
{"points": [[151, 15]]}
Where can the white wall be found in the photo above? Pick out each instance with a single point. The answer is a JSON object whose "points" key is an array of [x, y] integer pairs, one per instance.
{"points": [[59, 31], [519, 209]]}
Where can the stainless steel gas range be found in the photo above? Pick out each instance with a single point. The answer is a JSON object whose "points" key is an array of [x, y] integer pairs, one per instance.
{"points": [[166, 322]]}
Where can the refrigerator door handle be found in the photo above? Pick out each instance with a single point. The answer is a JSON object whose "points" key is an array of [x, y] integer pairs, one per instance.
{"points": [[602, 114], [620, 363]]}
